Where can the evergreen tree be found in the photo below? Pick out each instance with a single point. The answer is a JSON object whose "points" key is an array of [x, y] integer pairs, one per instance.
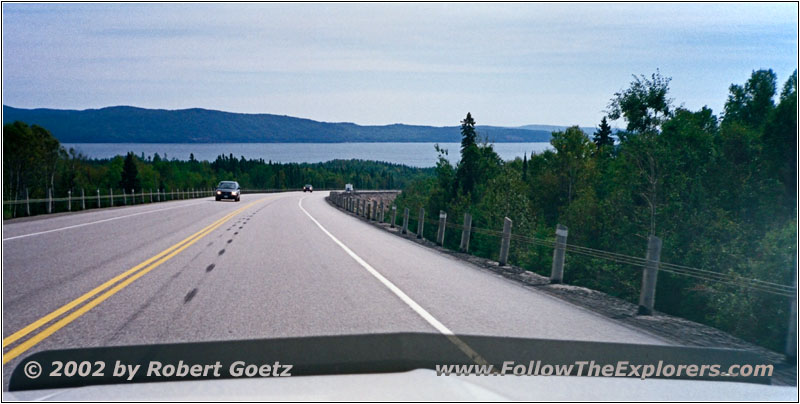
{"points": [[525, 167], [602, 137], [130, 174], [468, 167]]}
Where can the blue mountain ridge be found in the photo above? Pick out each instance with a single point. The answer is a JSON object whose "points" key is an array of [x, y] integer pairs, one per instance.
{"points": [[125, 124]]}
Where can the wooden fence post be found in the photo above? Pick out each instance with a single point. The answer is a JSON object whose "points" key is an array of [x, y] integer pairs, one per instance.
{"points": [[505, 242], [647, 299], [791, 337], [557, 271], [465, 233], [421, 222], [442, 224]]}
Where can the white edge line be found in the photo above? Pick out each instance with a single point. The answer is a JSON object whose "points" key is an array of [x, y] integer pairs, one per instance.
{"points": [[95, 222], [399, 293]]}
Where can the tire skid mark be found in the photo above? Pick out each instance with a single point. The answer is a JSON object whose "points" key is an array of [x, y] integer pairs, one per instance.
{"points": [[189, 296]]}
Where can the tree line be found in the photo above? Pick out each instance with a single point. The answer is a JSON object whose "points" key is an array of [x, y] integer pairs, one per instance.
{"points": [[34, 161], [719, 190]]}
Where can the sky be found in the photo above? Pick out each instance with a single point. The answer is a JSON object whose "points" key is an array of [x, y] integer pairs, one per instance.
{"points": [[508, 64]]}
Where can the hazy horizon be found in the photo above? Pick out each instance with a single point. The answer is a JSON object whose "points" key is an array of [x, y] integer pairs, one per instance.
{"points": [[378, 64], [268, 113]]}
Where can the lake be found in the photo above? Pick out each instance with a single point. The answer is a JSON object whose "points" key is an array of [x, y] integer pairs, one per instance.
{"points": [[412, 154]]}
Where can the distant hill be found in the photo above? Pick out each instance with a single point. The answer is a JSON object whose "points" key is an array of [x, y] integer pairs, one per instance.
{"points": [[553, 128], [139, 125]]}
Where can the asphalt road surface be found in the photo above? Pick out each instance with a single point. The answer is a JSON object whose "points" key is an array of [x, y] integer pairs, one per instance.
{"points": [[272, 265]]}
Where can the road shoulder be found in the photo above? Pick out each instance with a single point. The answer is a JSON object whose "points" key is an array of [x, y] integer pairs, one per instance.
{"points": [[676, 329]]}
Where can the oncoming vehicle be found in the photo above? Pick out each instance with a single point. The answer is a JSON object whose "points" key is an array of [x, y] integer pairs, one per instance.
{"points": [[308, 188], [228, 190], [348, 188]]}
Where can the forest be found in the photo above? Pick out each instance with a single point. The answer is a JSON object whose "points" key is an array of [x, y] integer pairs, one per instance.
{"points": [[718, 189], [34, 162]]}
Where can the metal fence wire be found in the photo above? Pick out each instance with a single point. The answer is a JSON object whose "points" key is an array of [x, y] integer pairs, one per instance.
{"points": [[716, 277]]}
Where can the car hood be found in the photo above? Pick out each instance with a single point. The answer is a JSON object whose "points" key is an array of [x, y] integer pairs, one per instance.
{"points": [[379, 365], [420, 385]]}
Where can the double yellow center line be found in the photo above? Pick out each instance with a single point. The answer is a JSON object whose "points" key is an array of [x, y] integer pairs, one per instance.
{"points": [[132, 274]]}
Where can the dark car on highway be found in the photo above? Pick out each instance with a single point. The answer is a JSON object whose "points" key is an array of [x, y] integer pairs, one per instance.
{"points": [[308, 188], [228, 190]]}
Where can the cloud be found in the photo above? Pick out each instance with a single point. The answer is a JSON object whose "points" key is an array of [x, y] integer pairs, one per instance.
{"points": [[499, 54]]}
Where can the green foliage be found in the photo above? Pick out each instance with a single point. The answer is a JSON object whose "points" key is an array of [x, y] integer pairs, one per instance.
{"points": [[35, 161], [573, 152], [750, 104], [721, 194], [30, 158], [130, 174], [602, 138], [525, 167], [780, 142], [644, 105], [468, 166]]}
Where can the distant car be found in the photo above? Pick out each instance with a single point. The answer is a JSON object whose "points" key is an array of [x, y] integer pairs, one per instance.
{"points": [[228, 190], [308, 188], [348, 188]]}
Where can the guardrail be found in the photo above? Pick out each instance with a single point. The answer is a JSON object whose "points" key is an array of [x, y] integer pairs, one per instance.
{"points": [[651, 262]]}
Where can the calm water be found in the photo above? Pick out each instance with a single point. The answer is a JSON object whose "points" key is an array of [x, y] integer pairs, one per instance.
{"points": [[412, 154]]}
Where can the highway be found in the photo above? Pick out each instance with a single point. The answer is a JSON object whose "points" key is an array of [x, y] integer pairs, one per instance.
{"points": [[272, 265]]}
